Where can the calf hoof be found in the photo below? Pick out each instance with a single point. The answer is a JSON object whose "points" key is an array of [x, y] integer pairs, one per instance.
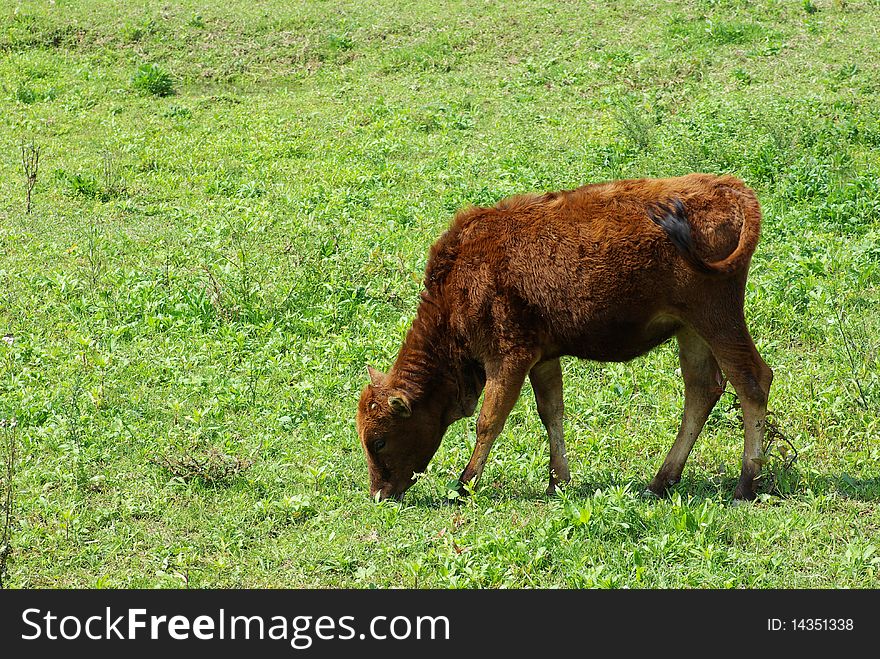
{"points": [[745, 488], [552, 489], [456, 491], [556, 484], [659, 487], [744, 494], [463, 492], [649, 494]]}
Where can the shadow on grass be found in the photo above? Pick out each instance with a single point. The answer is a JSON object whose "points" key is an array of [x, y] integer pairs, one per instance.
{"points": [[792, 484], [697, 488]]}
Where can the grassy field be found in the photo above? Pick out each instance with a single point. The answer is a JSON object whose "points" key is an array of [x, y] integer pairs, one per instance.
{"points": [[231, 218]]}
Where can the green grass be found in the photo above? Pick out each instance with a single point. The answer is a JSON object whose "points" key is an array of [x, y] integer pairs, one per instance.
{"points": [[205, 276], [152, 79]]}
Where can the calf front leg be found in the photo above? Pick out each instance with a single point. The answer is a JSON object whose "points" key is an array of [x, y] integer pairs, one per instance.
{"points": [[546, 380], [503, 384]]}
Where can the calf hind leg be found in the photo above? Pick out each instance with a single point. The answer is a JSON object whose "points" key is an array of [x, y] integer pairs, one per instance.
{"points": [[546, 379], [703, 385], [751, 378]]}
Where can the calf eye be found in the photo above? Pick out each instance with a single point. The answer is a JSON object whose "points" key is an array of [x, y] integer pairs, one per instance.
{"points": [[378, 445]]}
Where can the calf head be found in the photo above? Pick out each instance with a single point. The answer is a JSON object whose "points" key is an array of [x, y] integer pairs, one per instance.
{"points": [[399, 435]]}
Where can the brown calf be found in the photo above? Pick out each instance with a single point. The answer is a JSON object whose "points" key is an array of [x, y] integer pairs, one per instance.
{"points": [[604, 272]]}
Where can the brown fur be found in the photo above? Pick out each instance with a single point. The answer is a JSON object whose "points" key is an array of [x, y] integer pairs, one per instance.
{"points": [[604, 272]]}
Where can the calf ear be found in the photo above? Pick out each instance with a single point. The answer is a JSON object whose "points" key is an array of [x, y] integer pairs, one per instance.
{"points": [[376, 377], [400, 405]]}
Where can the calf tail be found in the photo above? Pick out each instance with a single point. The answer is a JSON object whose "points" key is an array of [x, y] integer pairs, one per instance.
{"points": [[673, 220]]}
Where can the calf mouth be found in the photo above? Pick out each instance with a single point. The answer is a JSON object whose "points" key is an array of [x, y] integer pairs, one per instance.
{"points": [[387, 492]]}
